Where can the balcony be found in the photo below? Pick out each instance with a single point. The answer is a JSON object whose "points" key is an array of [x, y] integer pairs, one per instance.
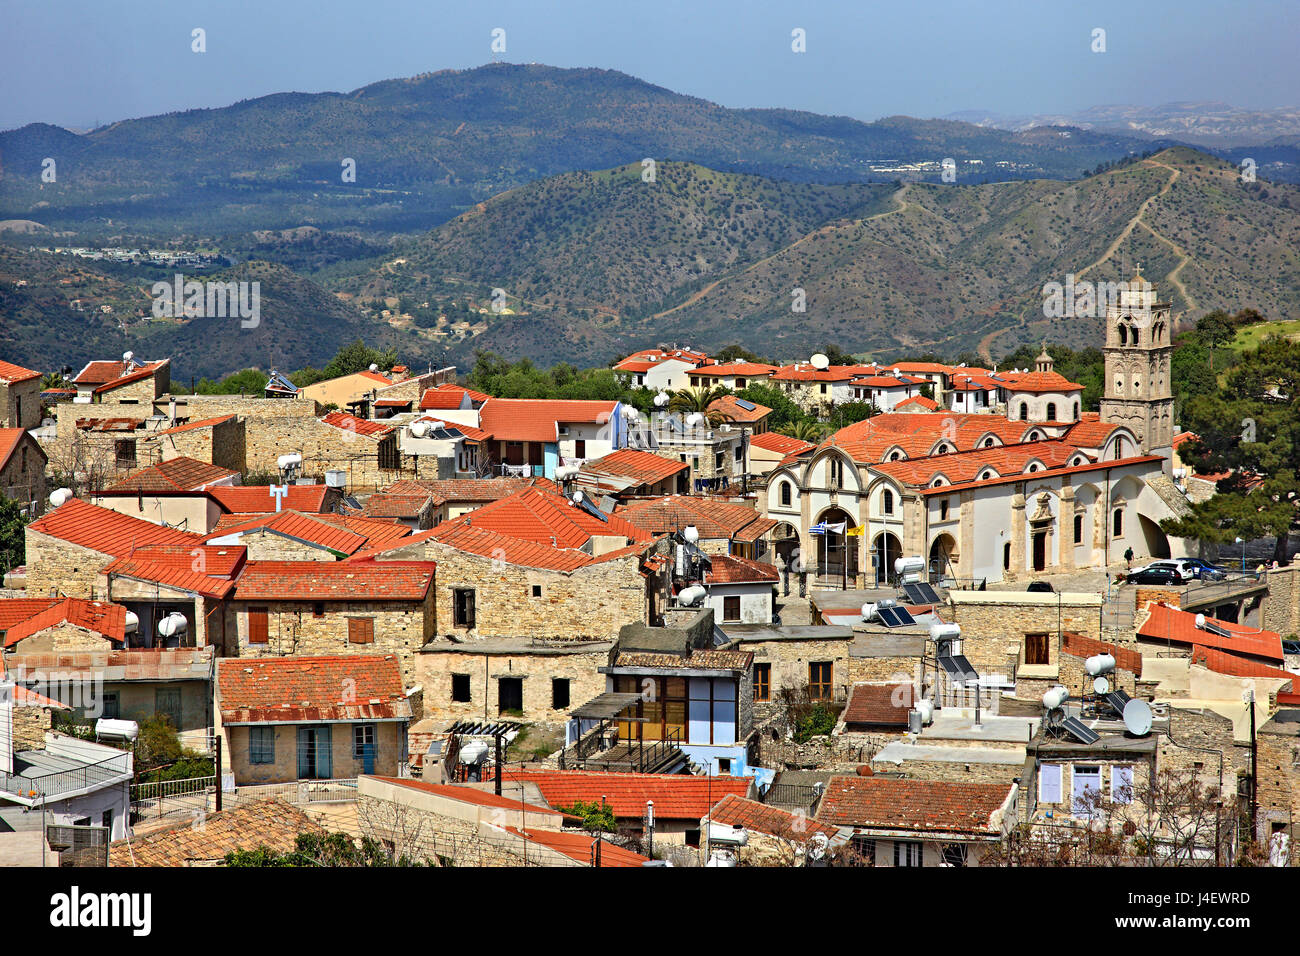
{"points": [[66, 768]]}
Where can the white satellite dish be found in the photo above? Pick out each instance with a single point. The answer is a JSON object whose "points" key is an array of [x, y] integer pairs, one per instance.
{"points": [[1200, 621], [661, 399], [1101, 686], [1137, 717], [820, 361]]}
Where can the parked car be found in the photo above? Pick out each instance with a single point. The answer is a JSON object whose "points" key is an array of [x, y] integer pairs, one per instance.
{"points": [[1205, 571], [1155, 575], [1180, 567], [1040, 587]]}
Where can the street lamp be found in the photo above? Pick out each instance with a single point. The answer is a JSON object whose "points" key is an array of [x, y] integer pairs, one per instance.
{"points": [[1243, 555]]}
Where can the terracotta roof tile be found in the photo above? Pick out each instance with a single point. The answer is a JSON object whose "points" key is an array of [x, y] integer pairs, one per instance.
{"points": [[257, 499], [480, 798], [760, 818], [921, 805], [713, 518], [743, 369], [107, 531], [306, 689], [335, 581], [731, 569], [101, 617], [781, 444], [917, 401], [1171, 624], [358, 426], [192, 426], [180, 567], [639, 467], [676, 796], [12, 374], [467, 489], [274, 824], [179, 474], [883, 705], [527, 419], [1079, 645], [544, 517], [581, 847], [307, 528]]}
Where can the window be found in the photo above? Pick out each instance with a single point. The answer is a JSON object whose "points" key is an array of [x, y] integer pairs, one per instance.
{"points": [[887, 502], [731, 607], [167, 700], [785, 493], [863, 850], [111, 706], [257, 625], [1078, 529], [559, 693], [1117, 522], [580, 448], [740, 453], [462, 607], [537, 590], [724, 766], [907, 853], [1087, 786], [1051, 411], [510, 695], [953, 854], [718, 458], [124, 451], [1006, 556], [762, 682], [1024, 412], [823, 387], [361, 630], [318, 609], [1049, 783], [261, 745], [460, 693], [837, 473], [1121, 784], [1036, 651], [363, 736], [943, 510], [821, 680]]}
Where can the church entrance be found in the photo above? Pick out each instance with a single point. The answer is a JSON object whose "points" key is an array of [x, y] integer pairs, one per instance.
{"points": [[837, 553], [1040, 549]]}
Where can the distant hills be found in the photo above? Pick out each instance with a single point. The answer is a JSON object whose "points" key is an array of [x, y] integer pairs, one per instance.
{"points": [[431, 146]]}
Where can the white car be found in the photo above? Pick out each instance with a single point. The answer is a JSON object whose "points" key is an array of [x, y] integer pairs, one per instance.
{"points": [[1185, 570]]}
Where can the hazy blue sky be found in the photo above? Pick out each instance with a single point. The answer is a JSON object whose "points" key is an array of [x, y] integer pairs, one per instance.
{"points": [[78, 62]]}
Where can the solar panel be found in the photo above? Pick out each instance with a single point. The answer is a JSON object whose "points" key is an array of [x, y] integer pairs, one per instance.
{"points": [[592, 510], [921, 593], [747, 406], [959, 668], [1117, 700], [895, 616], [1080, 731], [1216, 629]]}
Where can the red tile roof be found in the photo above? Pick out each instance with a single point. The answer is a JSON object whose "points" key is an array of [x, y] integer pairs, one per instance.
{"points": [[640, 467], [1078, 645], [832, 373], [204, 570], [917, 401], [731, 408], [499, 547], [480, 798], [306, 689], [581, 847], [1037, 382], [443, 398], [1225, 662], [106, 531], [170, 477], [256, 499], [883, 705], [10, 439], [966, 466], [760, 818], [97, 373], [12, 374], [920, 805], [98, 616], [138, 375], [713, 519], [191, 426], [335, 581], [781, 444], [467, 489], [743, 369], [527, 419], [676, 796], [307, 528], [1171, 624], [544, 517], [358, 426], [15, 610], [387, 505], [730, 569]]}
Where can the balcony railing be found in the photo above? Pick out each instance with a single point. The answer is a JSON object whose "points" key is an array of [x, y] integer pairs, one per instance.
{"points": [[50, 786]]}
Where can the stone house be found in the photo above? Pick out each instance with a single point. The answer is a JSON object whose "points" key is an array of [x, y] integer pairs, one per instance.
{"points": [[797, 657], [630, 473], [776, 837], [20, 397], [900, 822], [724, 527], [312, 717], [770, 449], [218, 440], [740, 591], [292, 536], [157, 582], [718, 455], [170, 492], [342, 608], [22, 470], [127, 382]]}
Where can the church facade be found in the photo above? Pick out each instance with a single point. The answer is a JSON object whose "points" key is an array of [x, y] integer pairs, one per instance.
{"points": [[1034, 484]]}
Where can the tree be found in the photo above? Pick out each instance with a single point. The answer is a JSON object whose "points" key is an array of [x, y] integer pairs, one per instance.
{"points": [[837, 355], [322, 849], [1215, 329], [784, 410], [357, 357], [809, 430], [1251, 429], [594, 817], [851, 412], [738, 353], [13, 543], [686, 401]]}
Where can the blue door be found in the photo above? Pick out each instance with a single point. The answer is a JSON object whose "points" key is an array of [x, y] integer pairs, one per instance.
{"points": [[314, 753]]}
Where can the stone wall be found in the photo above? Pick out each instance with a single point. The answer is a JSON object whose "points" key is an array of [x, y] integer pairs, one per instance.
{"points": [[401, 628], [64, 637], [266, 545], [1205, 730], [789, 662], [58, 567], [221, 444], [30, 725], [23, 479], [344, 762], [1281, 608], [20, 404], [994, 625]]}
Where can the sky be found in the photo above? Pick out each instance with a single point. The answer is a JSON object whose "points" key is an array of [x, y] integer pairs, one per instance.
{"points": [[83, 63]]}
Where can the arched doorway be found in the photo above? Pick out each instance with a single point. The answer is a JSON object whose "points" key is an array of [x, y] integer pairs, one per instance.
{"points": [[785, 541], [1157, 541], [837, 553], [884, 550], [943, 557]]}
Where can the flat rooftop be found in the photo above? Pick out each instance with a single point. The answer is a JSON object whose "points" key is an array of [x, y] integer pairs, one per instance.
{"points": [[792, 632], [516, 645], [899, 752], [959, 724]]}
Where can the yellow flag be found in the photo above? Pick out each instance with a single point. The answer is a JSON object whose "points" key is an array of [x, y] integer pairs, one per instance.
{"points": [[857, 532]]}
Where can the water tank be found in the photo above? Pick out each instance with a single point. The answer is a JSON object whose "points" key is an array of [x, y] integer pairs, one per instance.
{"points": [[291, 460], [661, 399], [374, 367], [913, 721], [868, 612], [1099, 664], [926, 709], [694, 420], [119, 729], [60, 496], [173, 625], [691, 596], [691, 534], [473, 752], [336, 478], [909, 565], [945, 632], [1055, 697], [128, 356], [132, 622], [419, 429], [727, 834]]}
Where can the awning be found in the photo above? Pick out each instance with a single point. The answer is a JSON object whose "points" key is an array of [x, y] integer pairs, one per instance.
{"points": [[605, 707]]}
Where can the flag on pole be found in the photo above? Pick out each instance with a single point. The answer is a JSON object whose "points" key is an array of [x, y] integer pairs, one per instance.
{"points": [[857, 532]]}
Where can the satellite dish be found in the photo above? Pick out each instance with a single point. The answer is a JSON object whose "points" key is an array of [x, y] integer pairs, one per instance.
{"points": [[1101, 686], [820, 361], [374, 367], [1137, 717], [1200, 621], [661, 399]]}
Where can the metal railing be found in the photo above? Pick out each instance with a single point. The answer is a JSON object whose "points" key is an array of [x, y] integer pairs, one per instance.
{"points": [[1225, 589], [161, 798], [299, 792], [51, 786]]}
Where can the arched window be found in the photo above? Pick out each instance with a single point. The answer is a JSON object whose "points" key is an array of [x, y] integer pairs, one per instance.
{"points": [[1076, 411], [887, 502], [785, 493], [896, 456], [1032, 467], [1006, 556], [1117, 523], [1078, 529], [988, 443], [943, 510], [1119, 446], [1051, 411], [1123, 334], [1024, 411]]}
